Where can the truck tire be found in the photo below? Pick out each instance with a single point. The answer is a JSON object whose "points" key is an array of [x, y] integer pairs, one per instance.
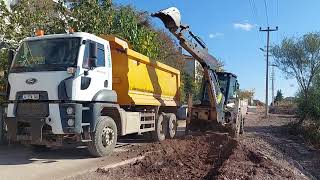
{"points": [[172, 125], [242, 126], [159, 133], [104, 139], [235, 128]]}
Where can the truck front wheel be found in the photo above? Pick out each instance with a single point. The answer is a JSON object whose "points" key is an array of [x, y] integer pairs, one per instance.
{"points": [[104, 138]]}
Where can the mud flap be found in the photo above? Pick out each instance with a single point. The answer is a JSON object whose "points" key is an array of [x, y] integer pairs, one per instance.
{"points": [[12, 124], [36, 125], [36, 130]]}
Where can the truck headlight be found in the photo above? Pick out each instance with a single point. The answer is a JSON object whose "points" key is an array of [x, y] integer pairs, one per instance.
{"points": [[70, 110], [70, 122]]}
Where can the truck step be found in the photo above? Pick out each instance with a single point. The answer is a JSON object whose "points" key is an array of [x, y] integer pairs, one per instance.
{"points": [[147, 129], [85, 108], [86, 140], [85, 124]]}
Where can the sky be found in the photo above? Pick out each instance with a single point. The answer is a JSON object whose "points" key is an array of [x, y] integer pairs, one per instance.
{"points": [[230, 28]]}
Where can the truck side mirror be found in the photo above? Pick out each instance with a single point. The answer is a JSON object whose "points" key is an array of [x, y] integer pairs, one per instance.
{"points": [[10, 58], [93, 55]]}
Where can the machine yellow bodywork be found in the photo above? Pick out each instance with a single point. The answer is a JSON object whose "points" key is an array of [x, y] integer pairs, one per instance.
{"points": [[139, 80]]}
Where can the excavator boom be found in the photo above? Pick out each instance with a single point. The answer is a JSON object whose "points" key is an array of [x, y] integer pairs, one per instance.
{"points": [[197, 48], [224, 105]]}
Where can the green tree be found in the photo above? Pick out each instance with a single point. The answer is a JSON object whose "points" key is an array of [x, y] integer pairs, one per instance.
{"points": [[188, 87], [22, 21], [279, 96], [100, 17], [246, 94], [27, 16], [299, 58], [93, 16]]}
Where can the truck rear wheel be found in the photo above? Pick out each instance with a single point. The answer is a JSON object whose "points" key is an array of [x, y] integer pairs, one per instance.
{"points": [[171, 119], [104, 139], [159, 133]]}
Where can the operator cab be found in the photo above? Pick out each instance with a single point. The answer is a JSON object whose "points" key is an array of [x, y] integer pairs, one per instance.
{"points": [[228, 85]]}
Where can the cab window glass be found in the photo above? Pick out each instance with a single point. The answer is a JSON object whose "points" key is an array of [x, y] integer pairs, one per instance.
{"points": [[100, 58]]}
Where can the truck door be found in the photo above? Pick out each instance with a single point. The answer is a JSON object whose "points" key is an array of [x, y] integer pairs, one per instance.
{"points": [[98, 78]]}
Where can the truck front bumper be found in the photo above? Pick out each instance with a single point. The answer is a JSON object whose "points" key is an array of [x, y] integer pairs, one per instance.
{"points": [[39, 129], [35, 128]]}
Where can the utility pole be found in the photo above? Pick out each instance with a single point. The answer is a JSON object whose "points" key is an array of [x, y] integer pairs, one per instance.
{"points": [[272, 83], [268, 30]]}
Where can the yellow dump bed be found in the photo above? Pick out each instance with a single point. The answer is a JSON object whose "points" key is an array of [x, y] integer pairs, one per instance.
{"points": [[139, 81]]}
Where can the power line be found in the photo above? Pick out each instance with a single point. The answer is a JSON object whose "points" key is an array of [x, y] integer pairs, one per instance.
{"points": [[255, 17], [266, 9], [278, 20], [253, 10], [277, 8]]}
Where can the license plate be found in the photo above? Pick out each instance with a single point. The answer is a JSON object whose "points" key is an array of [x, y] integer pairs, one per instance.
{"points": [[30, 97]]}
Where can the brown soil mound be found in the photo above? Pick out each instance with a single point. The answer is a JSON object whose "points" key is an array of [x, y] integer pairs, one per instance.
{"points": [[193, 157], [203, 156], [248, 164]]}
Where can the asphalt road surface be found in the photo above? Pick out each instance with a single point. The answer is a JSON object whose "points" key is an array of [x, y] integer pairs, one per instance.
{"points": [[19, 162]]}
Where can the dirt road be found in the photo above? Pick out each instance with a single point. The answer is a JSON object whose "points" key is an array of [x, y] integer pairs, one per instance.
{"points": [[265, 152], [271, 138], [20, 163]]}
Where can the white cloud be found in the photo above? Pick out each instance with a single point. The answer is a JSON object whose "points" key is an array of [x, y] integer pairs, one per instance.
{"points": [[243, 26], [215, 35]]}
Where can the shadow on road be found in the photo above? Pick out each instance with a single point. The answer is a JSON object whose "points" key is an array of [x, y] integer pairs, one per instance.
{"points": [[19, 154]]}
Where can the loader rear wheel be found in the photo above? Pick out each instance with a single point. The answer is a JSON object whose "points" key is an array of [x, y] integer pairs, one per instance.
{"points": [[104, 139], [242, 126], [235, 127], [171, 119], [159, 133]]}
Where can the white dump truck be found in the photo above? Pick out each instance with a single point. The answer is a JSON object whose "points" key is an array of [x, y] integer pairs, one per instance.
{"points": [[78, 87]]}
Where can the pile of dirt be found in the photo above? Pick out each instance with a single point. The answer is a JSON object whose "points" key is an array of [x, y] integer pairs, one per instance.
{"points": [[288, 110], [202, 156], [246, 163], [193, 157]]}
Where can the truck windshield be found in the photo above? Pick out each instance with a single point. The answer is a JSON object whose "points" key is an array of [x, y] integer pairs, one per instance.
{"points": [[46, 55]]}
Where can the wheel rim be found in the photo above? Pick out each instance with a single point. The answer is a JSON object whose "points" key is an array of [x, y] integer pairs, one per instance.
{"points": [[161, 127], [107, 136], [172, 126]]}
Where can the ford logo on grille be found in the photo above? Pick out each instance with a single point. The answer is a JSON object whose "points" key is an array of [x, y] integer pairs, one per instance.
{"points": [[31, 81]]}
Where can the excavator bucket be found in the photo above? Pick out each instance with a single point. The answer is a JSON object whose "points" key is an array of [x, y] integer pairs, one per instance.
{"points": [[170, 17]]}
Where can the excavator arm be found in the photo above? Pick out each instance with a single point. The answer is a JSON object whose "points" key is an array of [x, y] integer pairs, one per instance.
{"points": [[195, 46]]}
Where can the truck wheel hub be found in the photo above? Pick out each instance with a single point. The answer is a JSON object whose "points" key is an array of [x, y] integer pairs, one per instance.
{"points": [[107, 136]]}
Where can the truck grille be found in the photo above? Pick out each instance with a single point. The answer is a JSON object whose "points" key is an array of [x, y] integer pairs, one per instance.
{"points": [[32, 109]]}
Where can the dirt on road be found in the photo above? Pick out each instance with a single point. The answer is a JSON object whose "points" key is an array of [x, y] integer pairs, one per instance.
{"points": [[265, 152]]}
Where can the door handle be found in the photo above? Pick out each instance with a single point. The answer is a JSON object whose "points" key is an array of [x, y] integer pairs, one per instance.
{"points": [[106, 83]]}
